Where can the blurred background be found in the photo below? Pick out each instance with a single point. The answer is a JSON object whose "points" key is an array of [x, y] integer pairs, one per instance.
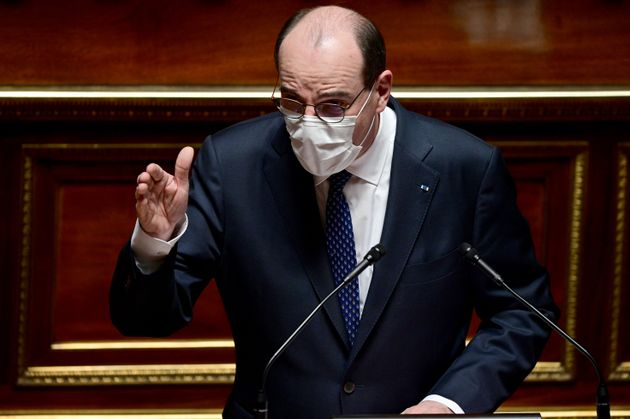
{"points": [[91, 91]]}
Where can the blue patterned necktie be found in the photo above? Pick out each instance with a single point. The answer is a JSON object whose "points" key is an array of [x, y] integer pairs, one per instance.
{"points": [[341, 251]]}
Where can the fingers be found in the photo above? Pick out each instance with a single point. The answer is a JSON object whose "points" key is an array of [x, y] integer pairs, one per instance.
{"points": [[155, 183], [152, 176], [145, 182], [156, 172], [428, 407], [183, 164]]}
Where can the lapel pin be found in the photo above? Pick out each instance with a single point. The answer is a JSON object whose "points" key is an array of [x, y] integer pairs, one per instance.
{"points": [[425, 188]]}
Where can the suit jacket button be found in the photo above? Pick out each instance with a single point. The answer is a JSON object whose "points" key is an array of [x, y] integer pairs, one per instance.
{"points": [[349, 387]]}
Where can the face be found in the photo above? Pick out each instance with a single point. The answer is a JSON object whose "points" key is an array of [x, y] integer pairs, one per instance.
{"points": [[331, 72]]}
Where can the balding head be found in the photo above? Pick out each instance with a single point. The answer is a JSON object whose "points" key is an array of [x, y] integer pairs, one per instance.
{"points": [[322, 23]]}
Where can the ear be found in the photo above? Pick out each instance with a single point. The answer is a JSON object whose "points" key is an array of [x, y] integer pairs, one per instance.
{"points": [[383, 89]]}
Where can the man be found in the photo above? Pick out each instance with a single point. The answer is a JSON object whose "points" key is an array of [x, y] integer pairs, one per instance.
{"points": [[259, 219]]}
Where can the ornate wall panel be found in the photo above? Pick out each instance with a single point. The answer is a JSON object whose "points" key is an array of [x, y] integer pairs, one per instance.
{"points": [[77, 212], [551, 182], [72, 164]]}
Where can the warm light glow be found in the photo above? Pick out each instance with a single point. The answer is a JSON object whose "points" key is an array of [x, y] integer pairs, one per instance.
{"points": [[142, 344]]}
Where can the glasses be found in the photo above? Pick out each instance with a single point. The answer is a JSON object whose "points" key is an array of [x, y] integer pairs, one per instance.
{"points": [[326, 111]]}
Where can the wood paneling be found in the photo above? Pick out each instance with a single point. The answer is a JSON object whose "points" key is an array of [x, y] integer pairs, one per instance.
{"points": [[550, 178], [71, 191], [77, 215], [69, 166], [193, 42]]}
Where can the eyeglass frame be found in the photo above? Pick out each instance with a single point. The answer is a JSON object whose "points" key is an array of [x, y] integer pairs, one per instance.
{"points": [[314, 106]]}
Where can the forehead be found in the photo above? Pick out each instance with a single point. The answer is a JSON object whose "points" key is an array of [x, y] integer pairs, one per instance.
{"points": [[315, 63]]}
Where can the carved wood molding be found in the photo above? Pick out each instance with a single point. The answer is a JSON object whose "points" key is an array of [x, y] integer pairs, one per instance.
{"points": [[620, 368], [230, 104]]}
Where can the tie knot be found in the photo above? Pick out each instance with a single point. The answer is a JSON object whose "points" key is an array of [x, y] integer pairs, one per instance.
{"points": [[339, 180]]}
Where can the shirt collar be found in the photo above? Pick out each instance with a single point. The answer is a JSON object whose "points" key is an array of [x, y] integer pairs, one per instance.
{"points": [[369, 166]]}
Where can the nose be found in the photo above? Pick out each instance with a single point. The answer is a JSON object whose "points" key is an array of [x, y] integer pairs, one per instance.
{"points": [[309, 110]]}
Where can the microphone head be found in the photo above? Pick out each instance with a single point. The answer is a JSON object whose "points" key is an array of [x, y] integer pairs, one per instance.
{"points": [[469, 252], [375, 253]]}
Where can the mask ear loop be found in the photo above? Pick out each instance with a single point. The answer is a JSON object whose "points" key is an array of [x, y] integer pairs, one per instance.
{"points": [[373, 118], [368, 131], [366, 100]]}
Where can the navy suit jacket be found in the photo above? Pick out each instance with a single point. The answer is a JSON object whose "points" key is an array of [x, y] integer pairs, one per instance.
{"points": [[254, 226]]}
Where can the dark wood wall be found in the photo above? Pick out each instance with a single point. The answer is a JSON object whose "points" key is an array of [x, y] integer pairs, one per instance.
{"points": [[206, 42], [546, 81]]}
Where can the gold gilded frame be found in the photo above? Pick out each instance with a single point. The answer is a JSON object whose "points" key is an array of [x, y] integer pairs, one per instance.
{"points": [[567, 412], [558, 371], [81, 375], [112, 413]]}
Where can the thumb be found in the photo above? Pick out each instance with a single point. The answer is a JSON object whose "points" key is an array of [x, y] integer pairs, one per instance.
{"points": [[182, 165]]}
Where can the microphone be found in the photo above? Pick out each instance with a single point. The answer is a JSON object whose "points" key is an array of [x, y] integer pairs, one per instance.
{"points": [[262, 409], [603, 404]]}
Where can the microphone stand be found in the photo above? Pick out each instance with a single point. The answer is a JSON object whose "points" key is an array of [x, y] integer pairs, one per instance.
{"points": [[262, 409], [603, 403]]}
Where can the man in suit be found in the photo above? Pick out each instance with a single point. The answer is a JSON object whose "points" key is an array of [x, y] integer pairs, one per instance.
{"points": [[257, 217]]}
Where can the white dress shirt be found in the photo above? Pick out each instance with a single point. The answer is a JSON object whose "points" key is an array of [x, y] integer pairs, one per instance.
{"points": [[366, 193]]}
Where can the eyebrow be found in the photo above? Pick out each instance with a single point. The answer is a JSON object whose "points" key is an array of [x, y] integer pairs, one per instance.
{"points": [[288, 90], [337, 94], [341, 94]]}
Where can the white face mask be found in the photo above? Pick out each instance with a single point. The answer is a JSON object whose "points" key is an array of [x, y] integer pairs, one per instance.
{"points": [[325, 148]]}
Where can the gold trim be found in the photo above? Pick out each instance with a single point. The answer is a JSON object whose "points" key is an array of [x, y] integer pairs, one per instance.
{"points": [[83, 375], [27, 199], [550, 371], [110, 413], [619, 371], [142, 344], [545, 412], [561, 92], [228, 104], [575, 245], [264, 92], [101, 146], [566, 412]]}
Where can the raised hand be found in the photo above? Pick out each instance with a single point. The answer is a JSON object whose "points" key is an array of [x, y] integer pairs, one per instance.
{"points": [[162, 198]]}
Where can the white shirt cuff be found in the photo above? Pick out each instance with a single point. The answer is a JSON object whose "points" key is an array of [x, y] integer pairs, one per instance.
{"points": [[447, 402], [150, 252]]}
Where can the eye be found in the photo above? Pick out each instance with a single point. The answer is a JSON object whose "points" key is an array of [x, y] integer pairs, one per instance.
{"points": [[336, 102]]}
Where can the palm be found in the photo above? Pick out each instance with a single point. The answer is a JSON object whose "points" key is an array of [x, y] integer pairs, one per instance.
{"points": [[162, 198]]}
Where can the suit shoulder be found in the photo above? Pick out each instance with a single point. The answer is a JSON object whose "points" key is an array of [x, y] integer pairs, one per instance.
{"points": [[251, 132], [440, 141], [244, 145], [270, 119], [446, 136]]}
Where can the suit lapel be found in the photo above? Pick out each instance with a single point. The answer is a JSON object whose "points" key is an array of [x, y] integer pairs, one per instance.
{"points": [[412, 185], [294, 194]]}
